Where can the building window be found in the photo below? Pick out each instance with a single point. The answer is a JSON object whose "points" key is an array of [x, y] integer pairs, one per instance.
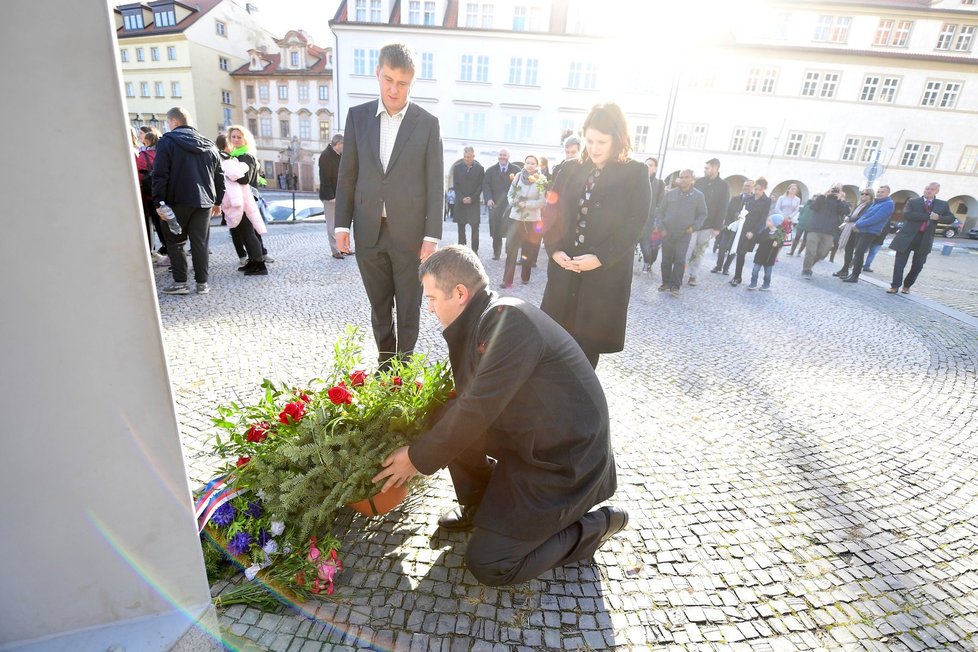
{"points": [[324, 130], [253, 126], [130, 89], [582, 75], [870, 148], [158, 88], [738, 139], [323, 92], [519, 19], [946, 37], [227, 117], [879, 89], [414, 12], [175, 89], [429, 13], [140, 55], [305, 128], [283, 128], [375, 13], [154, 54], [221, 28], [467, 63], [942, 95], [373, 61], [171, 53], [832, 29], [294, 59], [164, 17], [250, 94], [793, 145], [132, 20], [919, 155], [805, 145], [263, 92], [427, 65], [851, 149], [640, 138], [969, 160], [144, 89], [482, 68], [303, 92], [266, 127], [965, 37], [472, 125], [223, 63], [225, 97], [895, 33], [124, 55], [746, 140], [820, 84], [359, 61], [761, 80], [523, 72], [519, 129], [283, 92], [360, 11], [471, 14], [690, 136]]}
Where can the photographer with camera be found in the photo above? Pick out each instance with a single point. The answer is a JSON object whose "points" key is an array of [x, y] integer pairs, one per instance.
{"points": [[828, 212]]}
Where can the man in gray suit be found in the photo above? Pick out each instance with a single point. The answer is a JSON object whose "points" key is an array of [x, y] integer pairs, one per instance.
{"points": [[390, 190]]}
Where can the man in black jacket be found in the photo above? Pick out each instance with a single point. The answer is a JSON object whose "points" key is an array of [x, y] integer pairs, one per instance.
{"points": [[528, 397], [716, 192], [736, 209], [823, 226], [329, 169], [495, 192], [467, 178], [921, 216], [187, 176]]}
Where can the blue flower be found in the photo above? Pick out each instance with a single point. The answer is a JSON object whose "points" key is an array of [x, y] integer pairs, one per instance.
{"points": [[224, 515], [264, 536], [255, 510], [238, 545]]}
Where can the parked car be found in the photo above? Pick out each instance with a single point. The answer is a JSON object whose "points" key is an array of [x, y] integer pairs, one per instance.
{"points": [[281, 210], [947, 230], [973, 234]]}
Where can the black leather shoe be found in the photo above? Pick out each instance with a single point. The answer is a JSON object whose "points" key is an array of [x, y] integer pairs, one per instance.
{"points": [[459, 519], [850, 279], [617, 520]]}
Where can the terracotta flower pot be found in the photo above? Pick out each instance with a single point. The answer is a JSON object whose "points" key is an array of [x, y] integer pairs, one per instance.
{"points": [[380, 503]]}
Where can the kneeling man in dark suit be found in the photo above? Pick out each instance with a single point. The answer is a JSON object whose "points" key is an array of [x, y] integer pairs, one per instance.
{"points": [[529, 398]]}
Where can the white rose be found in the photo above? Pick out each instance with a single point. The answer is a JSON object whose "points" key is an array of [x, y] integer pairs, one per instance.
{"points": [[278, 527]]}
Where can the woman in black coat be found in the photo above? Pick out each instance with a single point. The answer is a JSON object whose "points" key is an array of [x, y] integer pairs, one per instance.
{"points": [[593, 219]]}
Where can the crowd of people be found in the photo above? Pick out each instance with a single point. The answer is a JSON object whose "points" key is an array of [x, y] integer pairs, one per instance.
{"points": [[527, 438]]}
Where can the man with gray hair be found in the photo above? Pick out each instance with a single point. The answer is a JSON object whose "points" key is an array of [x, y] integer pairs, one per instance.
{"points": [[467, 178], [528, 397], [680, 213], [187, 177], [329, 169], [495, 192]]}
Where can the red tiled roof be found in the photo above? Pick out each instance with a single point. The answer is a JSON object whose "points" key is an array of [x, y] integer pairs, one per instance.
{"points": [[198, 9], [320, 67]]}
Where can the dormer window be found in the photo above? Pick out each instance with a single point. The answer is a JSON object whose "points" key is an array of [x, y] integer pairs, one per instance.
{"points": [[132, 19], [294, 59], [164, 16]]}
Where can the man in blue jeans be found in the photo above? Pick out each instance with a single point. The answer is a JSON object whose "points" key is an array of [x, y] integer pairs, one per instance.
{"points": [[187, 176], [681, 212], [870, 224]]}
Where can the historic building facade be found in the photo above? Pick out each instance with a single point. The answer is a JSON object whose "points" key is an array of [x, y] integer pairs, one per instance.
{"points": [[813, 93], [288, 105]]}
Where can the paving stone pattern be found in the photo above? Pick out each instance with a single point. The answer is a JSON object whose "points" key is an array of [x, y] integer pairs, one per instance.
{"points": [[799, 466]]}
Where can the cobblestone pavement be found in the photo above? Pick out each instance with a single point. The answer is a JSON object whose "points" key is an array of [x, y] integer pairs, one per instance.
{"points": [[800, 469]]}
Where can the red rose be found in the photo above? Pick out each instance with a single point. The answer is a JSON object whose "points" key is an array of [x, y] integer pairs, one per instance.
{"points": [[302, 396], [258, 432], [397, 380], [242, 461], [418, 384], [340, 394], [293, 411], [300, 578], [358, 378]]}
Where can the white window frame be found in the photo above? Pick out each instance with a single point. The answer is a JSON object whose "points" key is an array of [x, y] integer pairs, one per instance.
{"points": [[966, 38], [761, 80], [414, 12], [869, 148], [429, 13], [264, 93], [303, 91], [265, 125], [171, 53], [130, 89], [140, 55], [143, 89], [466, 71], [154, 54], [175, 89], [427, 66], [158, 89], [221, 28], [324, 92], [124, 55], [305, 128], [376, 11], [945, 39], [850, 149], [360, 62], [482, 68], [969, 160], [640, 137], [282, 92]]}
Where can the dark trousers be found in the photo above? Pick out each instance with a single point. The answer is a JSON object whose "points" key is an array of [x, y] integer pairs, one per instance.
{"points": [[743, 247], [497, 227], [674, 249], [475, 235], [247, 240], [848, 252], [919, 258], [153, 223], [863, 243], [522, 242], [799, 240], [649, 250], [496, 559], [239, 245], [196, 225], [390, 278], [723, 243]]}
